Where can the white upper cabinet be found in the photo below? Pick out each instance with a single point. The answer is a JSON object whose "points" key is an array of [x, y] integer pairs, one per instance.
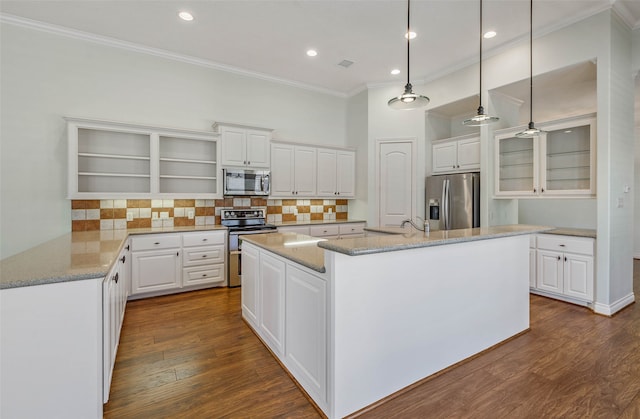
{"points": [[244, 146], [460, 154], [336, 173], [293, 170], [559, 162], [115, 160], [304, 171]]}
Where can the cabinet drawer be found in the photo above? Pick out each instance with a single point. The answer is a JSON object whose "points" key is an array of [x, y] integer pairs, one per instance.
{"points": [[203, 238], [294, 229], [192, 256], [155, 241], [351, 229], [324, 230], [203, 274], [583, 246]]}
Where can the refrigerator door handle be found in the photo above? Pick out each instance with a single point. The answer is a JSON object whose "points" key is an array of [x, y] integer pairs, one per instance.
{"points": [[445, 204]]}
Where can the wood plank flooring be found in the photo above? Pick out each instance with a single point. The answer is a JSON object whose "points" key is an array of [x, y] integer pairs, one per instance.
{"points": [[191, 355]]}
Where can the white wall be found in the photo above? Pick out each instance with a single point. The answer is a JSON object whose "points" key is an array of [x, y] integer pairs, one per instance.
{"points": [[46, 76], [357, 137], [635, 59]]}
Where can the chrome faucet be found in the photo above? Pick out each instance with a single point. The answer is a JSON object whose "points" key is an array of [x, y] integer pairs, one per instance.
{"points": [[425, 224]]}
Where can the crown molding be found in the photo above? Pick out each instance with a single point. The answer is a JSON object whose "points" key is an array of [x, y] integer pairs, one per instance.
{"points": [[625, 15], [156, 52]]}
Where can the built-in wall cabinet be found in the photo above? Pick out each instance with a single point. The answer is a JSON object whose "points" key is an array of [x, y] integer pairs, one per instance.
{"points": [[109, 160], [459, 154], [564, 267], [303, 171], [244, 146], [559, 162]]}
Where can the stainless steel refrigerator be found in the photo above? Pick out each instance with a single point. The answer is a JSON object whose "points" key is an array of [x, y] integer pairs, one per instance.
{"points": [[453, 201]]}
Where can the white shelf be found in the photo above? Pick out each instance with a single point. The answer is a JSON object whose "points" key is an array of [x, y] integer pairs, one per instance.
{"points": [[188, 160], [113, 156], [188, 177], [112, 174]]}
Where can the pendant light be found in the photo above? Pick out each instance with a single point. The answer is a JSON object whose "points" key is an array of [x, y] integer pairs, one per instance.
{"points": [[408, 100], [531, 131], [481, 118]]}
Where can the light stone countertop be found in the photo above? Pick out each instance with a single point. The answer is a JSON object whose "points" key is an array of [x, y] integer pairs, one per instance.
{"points": [[315, 222], [299, 248], [397, 238], [577, 232], [74, 256]]}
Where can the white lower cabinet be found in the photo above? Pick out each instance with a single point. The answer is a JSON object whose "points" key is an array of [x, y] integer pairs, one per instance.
{"points": [[564, 267], [115, 291], [165, 263], [250, 284], [306, 333], [271, 306], [328, 230], [286, 305], [155, 270]]}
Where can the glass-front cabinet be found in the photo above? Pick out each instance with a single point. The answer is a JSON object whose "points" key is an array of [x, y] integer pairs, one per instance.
{"points": [[559, 162]]}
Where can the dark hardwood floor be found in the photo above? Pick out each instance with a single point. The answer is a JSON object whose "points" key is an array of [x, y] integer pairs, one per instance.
{"points": [[191, 355]]}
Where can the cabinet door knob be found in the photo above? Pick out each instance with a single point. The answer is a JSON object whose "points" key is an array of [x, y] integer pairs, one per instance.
{"points": [[116, 277], [565, 258], [248, 162], [127, 247], [542, 190], [559, 258], [123, 258], [535, 190]]}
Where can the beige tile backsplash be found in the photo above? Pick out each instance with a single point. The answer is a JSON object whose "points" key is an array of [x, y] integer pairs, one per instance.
{"points": [[111, 214]]}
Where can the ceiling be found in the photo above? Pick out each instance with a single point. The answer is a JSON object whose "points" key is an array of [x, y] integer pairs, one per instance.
{"points": [[268, 38]]}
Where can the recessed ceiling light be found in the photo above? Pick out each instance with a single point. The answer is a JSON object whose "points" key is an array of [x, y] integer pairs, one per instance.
{"points": [[312, 53], [489, 34], [186, 16], [395, 72], [411, 35]]}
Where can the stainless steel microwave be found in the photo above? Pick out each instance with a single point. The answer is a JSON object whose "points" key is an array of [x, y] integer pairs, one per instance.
{"points": [[239, 182]]}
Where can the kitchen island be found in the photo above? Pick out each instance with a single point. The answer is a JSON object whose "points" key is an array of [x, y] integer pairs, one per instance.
{"points": [[384, 312]]}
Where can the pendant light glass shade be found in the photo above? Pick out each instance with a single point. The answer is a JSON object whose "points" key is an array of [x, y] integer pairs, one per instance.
{"points": [[480, 118], [531, 131], [408, 100]]}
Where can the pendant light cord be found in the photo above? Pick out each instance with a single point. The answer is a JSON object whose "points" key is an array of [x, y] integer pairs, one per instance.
{"points": [[408, 37], [531, 61], [480, 90]]}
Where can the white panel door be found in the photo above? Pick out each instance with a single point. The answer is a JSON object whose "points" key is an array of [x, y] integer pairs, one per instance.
{"points": [[396, 182], [282, 174], [234, 146], [469, 154], [346, 174], [271, 318], [258, 147], [306, 333], [444, 157], [578, 276], [327, 171], [550, 271], [305, 171], [250, 284], [155, 270]]}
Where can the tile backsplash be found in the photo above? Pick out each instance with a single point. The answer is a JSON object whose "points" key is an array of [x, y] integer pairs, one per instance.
{"points": [[111, 214]]}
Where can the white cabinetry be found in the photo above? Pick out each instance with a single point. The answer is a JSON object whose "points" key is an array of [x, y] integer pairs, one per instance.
{"points": [[293, 170], [203, 256], [244, 146], [460, 154], [327, 230], [250, 284], [271, 305], [306, 330], [336, 173], [290, 315], [116, 160], [165, 263], [560, 162], [115, 291], [565, 267], [304, 229]]}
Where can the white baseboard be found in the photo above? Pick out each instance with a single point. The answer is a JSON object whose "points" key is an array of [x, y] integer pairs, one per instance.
{"points": [[611, 309]]}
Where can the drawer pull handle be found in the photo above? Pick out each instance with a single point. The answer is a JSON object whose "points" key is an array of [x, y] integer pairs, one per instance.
{"points": [[156, 243], [562, 245], [204, 256], [123, 258], [116, 277], [204, 275], [204, 240]]}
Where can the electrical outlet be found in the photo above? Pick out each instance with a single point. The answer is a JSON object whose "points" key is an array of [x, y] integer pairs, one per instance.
{"points": [[129, 216], [620, 202], [295, 210], [154, 215], [190, 215], [330, 210], [164, 215]]}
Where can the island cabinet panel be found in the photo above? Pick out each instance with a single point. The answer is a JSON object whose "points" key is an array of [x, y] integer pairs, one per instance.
{"points": [[250, 284], [306, 336], [272, 297]]}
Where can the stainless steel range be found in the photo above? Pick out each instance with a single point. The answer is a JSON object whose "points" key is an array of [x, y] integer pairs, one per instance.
{"points": [[241, 222]]}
